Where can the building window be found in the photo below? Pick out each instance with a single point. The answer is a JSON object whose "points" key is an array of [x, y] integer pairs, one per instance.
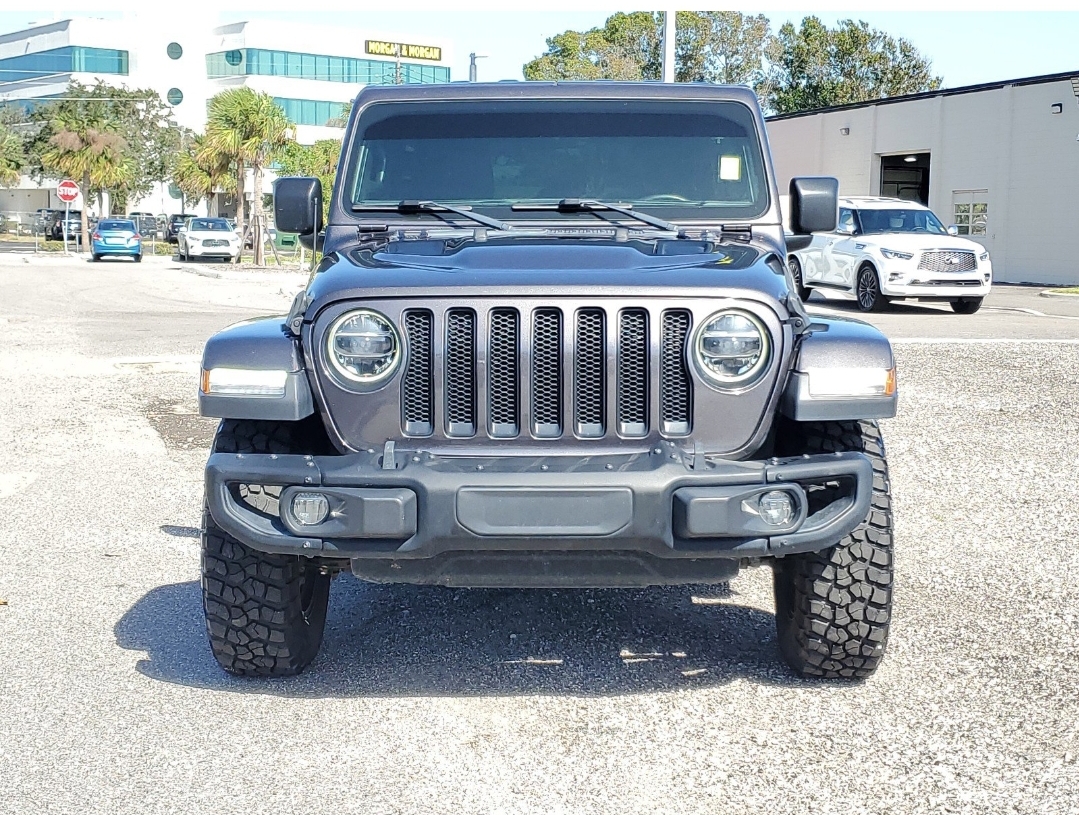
{"points": [[175, 96], [971, 212], [174, 50], [309, 111], [69, 59], [262, 62]]}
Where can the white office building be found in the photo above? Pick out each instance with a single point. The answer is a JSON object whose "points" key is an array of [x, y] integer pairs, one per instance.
{"points": [[311, 71], [1000, 161]]}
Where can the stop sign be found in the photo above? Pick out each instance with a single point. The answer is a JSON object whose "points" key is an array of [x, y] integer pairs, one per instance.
{"points": [[67, 191]]}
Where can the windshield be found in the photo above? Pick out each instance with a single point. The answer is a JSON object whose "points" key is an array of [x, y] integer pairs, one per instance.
{"points": [[683, 159], [900, 220], [118, 225], [209, 225]]}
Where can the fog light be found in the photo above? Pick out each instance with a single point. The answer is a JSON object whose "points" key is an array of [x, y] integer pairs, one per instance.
{"points": [[776, 508], [310, 508]]}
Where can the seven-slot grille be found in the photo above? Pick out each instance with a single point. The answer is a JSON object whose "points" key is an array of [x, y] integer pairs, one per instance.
{"points": [[545, 372], [948, 261]]}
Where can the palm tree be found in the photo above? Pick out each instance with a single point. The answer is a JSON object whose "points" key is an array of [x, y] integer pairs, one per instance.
{"points": [[83, 149], [250, 128], [200, 171], [11, 157]]}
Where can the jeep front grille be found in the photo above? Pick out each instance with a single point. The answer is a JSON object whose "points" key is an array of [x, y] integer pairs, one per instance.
{"points": [[948, 261], [546, 372]]}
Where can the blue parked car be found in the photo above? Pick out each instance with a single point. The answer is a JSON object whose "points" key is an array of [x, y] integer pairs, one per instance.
{"points": [[116, 236]]}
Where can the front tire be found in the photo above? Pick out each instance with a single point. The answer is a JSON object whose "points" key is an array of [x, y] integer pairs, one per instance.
{"points": [[833, 607], [867, 290], [265, 613], [799, 280], [966, 305]]}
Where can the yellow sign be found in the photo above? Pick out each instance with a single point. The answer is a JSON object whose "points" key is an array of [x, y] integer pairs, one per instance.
{"points": [[389, 49]]}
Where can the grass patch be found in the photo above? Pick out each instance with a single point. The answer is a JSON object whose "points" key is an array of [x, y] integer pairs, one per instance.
{"points": [[1067, 290]]}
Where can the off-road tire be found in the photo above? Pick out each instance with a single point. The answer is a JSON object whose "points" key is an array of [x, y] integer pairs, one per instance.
{"points": [[797, 274], [265, 613], [833, 607], [966, 305]]}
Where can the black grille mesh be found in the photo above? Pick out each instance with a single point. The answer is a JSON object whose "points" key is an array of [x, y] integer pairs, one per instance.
{"points": [[547, 372], [417, 390], [503, 372], [460, 372], [633, 372], [674, 384], [589, 372]]}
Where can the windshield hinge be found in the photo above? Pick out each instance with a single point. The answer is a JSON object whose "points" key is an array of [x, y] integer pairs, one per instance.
{"points": [[736, 232], [294, 321]]}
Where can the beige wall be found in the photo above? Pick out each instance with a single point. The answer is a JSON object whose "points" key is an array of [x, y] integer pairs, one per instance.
{"points": [[1004, 141]]}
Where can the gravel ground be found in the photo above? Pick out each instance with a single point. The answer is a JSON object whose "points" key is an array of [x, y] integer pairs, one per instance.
{"points": [[429, 700]]}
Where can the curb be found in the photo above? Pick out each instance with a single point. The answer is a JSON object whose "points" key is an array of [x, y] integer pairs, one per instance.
{"points": [[1051, 293]]}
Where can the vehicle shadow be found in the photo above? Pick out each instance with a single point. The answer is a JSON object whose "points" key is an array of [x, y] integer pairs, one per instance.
{"points": [[400, 640], [898, 307]]}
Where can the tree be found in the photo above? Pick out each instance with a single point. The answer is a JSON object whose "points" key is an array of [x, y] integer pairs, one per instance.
{"points": [[814, 66], [711, 46], [83, 145], [318, 160], [12, 157], [250, 128], [138, 118], [200, 170]]}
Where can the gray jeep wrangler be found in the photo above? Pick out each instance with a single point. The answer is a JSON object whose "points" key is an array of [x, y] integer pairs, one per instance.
{"points": [[551, 342]]}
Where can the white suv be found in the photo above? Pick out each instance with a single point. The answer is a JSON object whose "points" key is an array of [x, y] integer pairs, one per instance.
{"points": [[885, 249]]}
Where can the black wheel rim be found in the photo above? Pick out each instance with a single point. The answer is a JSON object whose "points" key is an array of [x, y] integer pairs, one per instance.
{"points": [[867, 289]]}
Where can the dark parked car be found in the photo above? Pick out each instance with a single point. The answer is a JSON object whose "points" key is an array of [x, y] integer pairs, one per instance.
{"points": [[54, 226], [146, 222], [172, 228], [551, 343]]}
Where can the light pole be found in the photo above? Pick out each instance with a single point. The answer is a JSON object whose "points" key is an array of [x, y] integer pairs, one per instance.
{"points": [[472, 65], [669, 34]]}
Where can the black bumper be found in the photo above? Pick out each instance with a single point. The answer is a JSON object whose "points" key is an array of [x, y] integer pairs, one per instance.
{"points": [[413, 521]]}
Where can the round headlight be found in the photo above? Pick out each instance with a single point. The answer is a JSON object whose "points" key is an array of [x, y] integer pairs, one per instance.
{"points": [[363, 347], [732, 348]]}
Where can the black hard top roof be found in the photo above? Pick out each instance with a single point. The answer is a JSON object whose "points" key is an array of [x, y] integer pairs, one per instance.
{"points": [[515, 90]]}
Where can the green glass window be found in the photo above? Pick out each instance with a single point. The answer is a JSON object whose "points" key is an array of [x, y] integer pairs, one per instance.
{"points": [[309, 111], [261, 62], [71, 58]]}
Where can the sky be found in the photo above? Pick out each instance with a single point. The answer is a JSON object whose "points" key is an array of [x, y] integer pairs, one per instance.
{"points": [[965, 47]]}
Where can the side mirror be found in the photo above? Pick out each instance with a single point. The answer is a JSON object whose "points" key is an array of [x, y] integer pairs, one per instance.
{"points": [[953, 230], [297, 205], [814, 204]]}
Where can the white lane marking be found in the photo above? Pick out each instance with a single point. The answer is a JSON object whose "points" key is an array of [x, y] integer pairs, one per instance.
{"points": [[976, 341]]}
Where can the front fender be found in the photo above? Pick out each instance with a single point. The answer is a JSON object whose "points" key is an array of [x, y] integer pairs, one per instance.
{"points": [[844, 370], [256, 345]]}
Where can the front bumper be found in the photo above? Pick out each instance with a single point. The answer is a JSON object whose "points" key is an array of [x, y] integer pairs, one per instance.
{"points": [[402, 515], [904, 279], [198, 250]]}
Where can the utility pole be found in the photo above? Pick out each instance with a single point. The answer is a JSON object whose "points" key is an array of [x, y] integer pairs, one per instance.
{"points": [[472, 65], [669, 34]]}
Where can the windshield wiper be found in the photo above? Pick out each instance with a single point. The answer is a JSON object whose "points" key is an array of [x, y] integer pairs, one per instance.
{"points": [[407, 207], [579, 205]]}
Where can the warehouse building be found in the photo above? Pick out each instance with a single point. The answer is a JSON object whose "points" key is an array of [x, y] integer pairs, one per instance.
{"points": [[311, 71], [1000, 161]]}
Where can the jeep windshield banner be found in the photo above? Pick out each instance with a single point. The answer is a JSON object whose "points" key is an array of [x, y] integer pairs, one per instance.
{"points": [[687, 160]]}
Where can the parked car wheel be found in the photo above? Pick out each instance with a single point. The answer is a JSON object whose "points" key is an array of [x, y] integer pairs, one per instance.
{"points": [[966, 305], [265, 613], [796, 272], [138, 258], [833, 608], [95, 258], [867, 290]]}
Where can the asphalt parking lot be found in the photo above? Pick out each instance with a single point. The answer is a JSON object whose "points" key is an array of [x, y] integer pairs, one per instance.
{"points": [[666, 700]]}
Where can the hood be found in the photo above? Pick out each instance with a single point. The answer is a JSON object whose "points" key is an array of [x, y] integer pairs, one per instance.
{"points": [[549, 267], [920, 242]]}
